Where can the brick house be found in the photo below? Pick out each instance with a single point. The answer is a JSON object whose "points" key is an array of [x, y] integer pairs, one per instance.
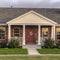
{"points": [[29, 25]]}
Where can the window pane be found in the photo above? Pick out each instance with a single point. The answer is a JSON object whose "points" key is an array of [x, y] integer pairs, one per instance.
{"points": [[58, 36], [16, 34], [16, 31], [57, 29]]}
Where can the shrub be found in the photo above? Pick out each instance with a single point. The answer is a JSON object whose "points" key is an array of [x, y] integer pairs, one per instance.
{"points": [[14, 43], [48, 43], [58, 45], [3, 44]]}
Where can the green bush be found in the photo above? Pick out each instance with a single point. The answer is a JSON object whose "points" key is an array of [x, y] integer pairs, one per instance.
{"points": [[48, 43], [58, 45], [14, 43], [3, 44]]}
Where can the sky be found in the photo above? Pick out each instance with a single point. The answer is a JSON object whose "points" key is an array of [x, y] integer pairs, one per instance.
{"points": [[30, 3]]}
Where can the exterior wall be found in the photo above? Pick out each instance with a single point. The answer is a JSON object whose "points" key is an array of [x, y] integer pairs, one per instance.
{"points": [[5, 29]]}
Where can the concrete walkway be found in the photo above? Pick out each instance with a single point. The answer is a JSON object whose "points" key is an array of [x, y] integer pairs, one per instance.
{"points": [[33, 51]]}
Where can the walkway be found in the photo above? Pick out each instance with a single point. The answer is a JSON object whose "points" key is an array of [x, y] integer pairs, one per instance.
{"points": [[32, 49]]}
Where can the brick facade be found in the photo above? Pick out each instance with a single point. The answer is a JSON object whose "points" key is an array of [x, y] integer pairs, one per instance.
{"points": [[5, 29]]}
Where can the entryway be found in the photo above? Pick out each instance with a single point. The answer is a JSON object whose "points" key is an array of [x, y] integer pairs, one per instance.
{"points": [[31, 34]]}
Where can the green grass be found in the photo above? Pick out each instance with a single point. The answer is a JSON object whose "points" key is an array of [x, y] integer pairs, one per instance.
{"points": [[30, 58], [49, 51], [13, 51]]}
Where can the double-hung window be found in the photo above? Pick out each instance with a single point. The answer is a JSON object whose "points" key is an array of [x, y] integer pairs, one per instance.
{"points": [[2, 34], [16, 31], [58, 33], [45, 32]]}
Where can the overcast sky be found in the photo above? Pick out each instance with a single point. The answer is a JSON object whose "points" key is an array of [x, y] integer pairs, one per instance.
{"points": [[31, 3]]}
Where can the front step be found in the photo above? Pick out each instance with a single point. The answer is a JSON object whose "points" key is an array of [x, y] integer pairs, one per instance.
{"points": [[32, 46]]}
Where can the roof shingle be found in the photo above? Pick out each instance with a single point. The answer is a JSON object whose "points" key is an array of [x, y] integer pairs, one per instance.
{"points": [[7, 14]]}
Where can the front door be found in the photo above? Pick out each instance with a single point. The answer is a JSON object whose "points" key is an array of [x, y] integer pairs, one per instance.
{"points": [[30, 36]]}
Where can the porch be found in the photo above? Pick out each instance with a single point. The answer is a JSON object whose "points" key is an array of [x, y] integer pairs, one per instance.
{"points": [[31, 34]]}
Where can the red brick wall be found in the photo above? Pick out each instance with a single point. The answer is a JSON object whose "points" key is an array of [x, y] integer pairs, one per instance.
{"points": [[6, 33]]}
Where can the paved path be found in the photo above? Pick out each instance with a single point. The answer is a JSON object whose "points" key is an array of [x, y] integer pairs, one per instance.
{"points": [[32, 51]]}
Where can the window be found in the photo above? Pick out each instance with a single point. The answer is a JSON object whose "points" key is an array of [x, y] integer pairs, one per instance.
{"points": [[45, 32], [16, 31], [58, 33], [2, 34]]}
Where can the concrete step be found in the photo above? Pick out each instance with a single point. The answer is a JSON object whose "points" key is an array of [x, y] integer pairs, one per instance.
{"points": [[32, 46]]}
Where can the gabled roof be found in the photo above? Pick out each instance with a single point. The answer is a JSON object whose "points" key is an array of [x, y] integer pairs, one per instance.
{"points": [[31, 17], [7, 14]]}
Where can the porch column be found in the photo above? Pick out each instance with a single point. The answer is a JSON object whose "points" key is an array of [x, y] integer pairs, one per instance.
{"points": [[9, 33], [23, 34], [39, 36], [53, 32]]}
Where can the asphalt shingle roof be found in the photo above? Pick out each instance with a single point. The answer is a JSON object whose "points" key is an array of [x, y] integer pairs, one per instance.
{"points": [[7, 14]]}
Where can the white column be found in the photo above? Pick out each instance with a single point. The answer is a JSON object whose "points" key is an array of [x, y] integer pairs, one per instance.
{"points": [[23, 34], [9, 33], [39, 36], [53, 32]]}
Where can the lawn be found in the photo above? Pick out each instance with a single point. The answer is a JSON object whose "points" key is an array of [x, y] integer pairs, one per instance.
{"points": [[13, 51], [30, 58], [49, 51]]}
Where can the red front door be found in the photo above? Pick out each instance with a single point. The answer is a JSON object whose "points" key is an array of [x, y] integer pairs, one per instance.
{"points": [[30, 36]]}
